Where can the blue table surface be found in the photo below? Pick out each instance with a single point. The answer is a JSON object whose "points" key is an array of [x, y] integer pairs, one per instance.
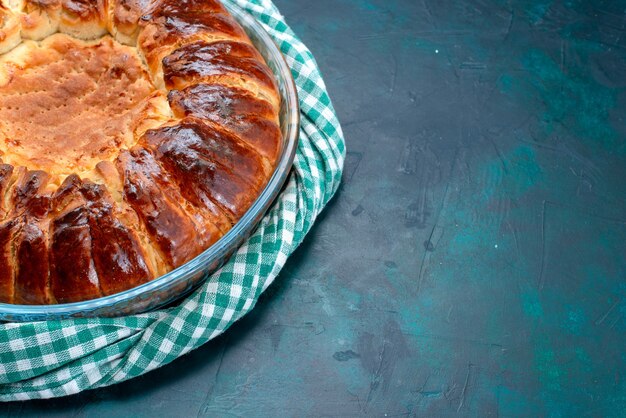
{"points": [[473, 262]]}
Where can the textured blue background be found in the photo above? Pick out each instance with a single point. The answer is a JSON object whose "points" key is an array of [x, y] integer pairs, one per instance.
{"points": [[474, 260]]}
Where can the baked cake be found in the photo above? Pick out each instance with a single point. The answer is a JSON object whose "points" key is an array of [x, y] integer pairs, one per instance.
{"points": [[133, 135]]}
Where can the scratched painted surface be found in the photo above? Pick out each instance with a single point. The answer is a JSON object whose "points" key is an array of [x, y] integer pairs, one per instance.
{"points": [[474, 261]]}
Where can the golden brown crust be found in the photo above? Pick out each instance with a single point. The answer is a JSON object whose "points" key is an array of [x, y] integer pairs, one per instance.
{"points": [[118, 257], [125, 16], [6, 174], [31, 257], [107, 253], [252, 119], [25, 241], [84, 19], [81, 102], [163, 33], [8, 232], [10, 29], [181, 8], [107, 181], [159, 204], [30, 196], [40, 18], [210, 167], [73, 275], [236, 64]]}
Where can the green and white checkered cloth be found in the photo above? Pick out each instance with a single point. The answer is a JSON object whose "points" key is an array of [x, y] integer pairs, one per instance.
{"points": [[57, 358]]}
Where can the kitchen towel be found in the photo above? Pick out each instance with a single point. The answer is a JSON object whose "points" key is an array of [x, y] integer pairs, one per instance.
{"points": [[57, 358]]}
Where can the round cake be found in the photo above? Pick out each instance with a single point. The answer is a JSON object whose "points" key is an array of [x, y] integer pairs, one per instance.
{"points": [[133, 135]]}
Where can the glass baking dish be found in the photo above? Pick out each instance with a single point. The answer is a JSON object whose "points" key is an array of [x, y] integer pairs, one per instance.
{"points": [[184, 279]]}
